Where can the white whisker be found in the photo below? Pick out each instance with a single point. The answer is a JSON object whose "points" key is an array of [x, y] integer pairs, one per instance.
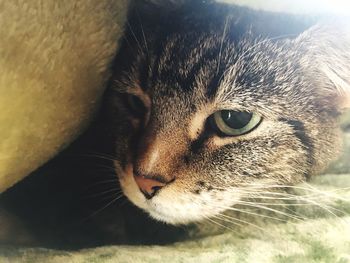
{"points": [[104, 207]]}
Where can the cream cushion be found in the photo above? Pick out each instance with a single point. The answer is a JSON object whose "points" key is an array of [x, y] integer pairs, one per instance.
{"points": [[55, 60]]}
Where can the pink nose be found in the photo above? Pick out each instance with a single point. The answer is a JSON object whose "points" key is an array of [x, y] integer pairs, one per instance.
{"points": [[148, 186]]}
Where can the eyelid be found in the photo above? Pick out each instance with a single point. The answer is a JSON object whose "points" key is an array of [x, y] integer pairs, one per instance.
{"points": [[136, 91], [146, 101]]}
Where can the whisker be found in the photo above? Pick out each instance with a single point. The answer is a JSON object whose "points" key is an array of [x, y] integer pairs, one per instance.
{"points": [[221, 45], [221, 225], [109, 196], [143, 32], [307, 201], [310, 188], [235, 209], [100, 156], [219, 217], [106, 167], [316, 193], [102, 183], [134, 36], [104, 192], [243, 221], [104, 207], [272, 210]]}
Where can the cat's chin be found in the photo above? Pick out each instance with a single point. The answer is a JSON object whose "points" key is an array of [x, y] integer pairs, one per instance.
{"points": [[174, 207]]}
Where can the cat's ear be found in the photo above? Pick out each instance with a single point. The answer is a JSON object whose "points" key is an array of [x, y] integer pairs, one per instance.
{"points": [[326, 60]]}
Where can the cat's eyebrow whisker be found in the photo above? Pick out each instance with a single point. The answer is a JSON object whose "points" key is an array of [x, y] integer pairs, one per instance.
{"points": [[221, 44], [134, 36], [127, 41], [143, 32]]}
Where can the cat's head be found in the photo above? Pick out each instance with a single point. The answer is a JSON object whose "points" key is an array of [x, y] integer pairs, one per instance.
{"points": [[206, 115]]}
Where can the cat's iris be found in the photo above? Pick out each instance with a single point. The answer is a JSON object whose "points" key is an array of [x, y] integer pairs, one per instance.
{"points": [[234, 123]]}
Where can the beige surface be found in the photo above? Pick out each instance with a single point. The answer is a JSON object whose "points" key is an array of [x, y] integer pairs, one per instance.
{"points": [[54, 58]]}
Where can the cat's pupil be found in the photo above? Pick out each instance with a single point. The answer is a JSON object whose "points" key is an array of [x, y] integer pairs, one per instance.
{"points": [[236, 119]]}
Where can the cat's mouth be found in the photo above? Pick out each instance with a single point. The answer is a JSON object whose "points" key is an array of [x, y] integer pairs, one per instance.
{"points": [[171, 203]]}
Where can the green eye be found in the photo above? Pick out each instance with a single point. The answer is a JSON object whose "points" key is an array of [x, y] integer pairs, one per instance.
{"points": [[234, 123]]}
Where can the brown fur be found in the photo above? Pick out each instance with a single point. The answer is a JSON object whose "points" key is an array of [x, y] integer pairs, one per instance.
{"points": [[287, 82]]}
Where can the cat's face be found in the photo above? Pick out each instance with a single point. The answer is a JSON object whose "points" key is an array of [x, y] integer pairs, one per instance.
{"points": [[204, 122]]}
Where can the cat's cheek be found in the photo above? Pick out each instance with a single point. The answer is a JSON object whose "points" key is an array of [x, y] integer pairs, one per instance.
{"points": [[175, 205]]}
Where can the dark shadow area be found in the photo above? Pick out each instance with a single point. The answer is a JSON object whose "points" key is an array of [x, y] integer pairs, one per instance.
{"points": [[75, 201]]}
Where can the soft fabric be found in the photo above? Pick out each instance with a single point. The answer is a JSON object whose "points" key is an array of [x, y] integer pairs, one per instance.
{"points": [[323, 237], [55, 58]]}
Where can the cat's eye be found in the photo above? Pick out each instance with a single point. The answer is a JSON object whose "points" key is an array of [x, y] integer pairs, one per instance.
{"points": [[135, 105], [234, 123]]}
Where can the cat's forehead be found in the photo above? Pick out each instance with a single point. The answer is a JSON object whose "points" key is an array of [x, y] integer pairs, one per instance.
{"points": [[206, 66], [186, 61]]}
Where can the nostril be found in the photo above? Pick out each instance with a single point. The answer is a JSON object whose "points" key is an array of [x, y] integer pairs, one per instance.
{"points": [[149, 185]]}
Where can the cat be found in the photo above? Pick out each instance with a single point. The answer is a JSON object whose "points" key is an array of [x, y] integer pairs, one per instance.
{"points": [[211, 103]]}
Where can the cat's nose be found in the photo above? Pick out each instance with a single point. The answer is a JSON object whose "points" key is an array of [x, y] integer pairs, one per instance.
{"points": [[149, 185]]}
